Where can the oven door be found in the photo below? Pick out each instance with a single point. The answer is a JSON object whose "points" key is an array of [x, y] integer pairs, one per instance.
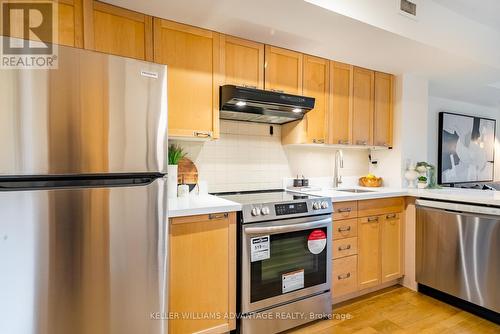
{"points": [[285, 260]]}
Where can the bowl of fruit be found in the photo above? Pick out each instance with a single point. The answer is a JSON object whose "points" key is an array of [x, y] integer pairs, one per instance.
{"points": [[370, 180]]}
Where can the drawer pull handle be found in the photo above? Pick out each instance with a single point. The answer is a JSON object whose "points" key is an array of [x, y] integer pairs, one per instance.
{"points": [[343, 142], [344, 210], [214, 216], [318, 141], [343, 276], [344, 247], [372, 219], [344, 229], [392, 216], [202, 134], [362, 142]]}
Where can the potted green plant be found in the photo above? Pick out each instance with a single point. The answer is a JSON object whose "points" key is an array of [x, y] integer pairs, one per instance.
{"points": [[175, 154], [422, 182]]}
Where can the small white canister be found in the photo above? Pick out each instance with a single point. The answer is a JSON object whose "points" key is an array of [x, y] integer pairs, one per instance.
{"points": [[182, 190]]}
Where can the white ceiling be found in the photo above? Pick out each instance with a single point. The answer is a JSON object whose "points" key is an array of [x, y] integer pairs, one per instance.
{"points": [[459, 56], [486, 12]]}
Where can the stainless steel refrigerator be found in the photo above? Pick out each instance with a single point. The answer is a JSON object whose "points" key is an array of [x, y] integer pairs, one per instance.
{"points": [[83, 217]]}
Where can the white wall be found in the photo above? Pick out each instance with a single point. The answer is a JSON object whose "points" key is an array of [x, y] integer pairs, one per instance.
{"points": [[247, 157], [437, 104], [410, 130]]}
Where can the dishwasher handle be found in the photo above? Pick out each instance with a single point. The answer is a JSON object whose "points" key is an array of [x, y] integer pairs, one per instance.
{"points": [[459, 207]]}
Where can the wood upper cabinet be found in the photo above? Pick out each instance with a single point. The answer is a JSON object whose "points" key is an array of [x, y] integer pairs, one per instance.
{"points": [[313, 128], [383, 109], [243, 62], [341, 85], [369, 261], [362, 112], [69, 24], [392, 247], [117, 31], [193, 59], [283, 70], [202, 275]]}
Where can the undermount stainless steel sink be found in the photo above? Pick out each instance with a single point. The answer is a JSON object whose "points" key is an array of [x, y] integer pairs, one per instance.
{"points": [[356, 191]]}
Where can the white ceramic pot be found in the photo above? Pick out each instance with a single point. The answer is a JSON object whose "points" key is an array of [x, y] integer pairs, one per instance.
{"points": [[422, 185], [172, 181]]}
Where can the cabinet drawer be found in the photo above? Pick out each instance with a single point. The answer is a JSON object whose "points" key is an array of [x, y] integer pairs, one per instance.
{"points": [[345, 247], [345, 210], [344, 278], [345, 228], [382, 206]]}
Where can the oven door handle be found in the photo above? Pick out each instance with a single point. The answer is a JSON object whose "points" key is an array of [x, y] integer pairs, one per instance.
{"points": [[273, 229]]}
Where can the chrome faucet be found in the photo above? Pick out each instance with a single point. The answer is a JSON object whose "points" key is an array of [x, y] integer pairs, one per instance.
{"points": [[339, 163]]}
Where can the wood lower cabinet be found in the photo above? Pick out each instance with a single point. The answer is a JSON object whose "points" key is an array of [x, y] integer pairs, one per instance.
{"points": [[118, 31], [283, 70], [383, 109], [202, 275], [193, 59], [362, 106], [392, 247], [369, 261], [344, 278], [340, 124], [313, 128], [243, 62]]}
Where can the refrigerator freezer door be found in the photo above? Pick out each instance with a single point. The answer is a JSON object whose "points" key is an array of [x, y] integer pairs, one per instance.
{"points": [[95, 114], [84, 261]]}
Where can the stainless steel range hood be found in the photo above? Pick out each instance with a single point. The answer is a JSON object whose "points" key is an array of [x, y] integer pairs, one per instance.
{"points": [[262, 106]]}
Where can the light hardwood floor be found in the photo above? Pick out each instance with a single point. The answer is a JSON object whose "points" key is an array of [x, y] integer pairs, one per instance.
{"points": [[399, 310]]}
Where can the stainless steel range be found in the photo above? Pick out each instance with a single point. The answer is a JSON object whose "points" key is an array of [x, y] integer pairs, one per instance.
{"points": [[284, 259]]}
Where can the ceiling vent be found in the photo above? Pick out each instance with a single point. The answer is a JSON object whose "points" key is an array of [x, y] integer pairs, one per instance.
{"points": [[408, 8]]}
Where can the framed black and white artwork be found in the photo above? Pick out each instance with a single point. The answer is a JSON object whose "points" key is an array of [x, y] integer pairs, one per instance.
{"points": [[466, 148]]}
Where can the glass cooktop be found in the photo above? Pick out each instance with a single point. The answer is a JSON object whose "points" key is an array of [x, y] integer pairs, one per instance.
{"points": [[263, 196]]}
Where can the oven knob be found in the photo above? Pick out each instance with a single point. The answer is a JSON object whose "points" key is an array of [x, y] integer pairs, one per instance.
{"points": [[255, 212], [264, 211], [316, 206], [324, 205]]}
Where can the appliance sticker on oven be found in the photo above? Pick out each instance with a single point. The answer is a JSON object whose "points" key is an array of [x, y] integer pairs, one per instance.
{"points": [[293, 281], [260, 248], [316, 241]]}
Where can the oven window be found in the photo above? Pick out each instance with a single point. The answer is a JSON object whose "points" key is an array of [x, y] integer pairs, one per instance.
{"points": [[289, 253]]}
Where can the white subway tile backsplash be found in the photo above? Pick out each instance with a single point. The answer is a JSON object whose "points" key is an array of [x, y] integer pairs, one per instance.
{"points": [[248, 157]]}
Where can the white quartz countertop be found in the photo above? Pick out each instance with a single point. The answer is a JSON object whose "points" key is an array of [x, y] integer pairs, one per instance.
{"points": [[199, 205], [485, 197], [206, 204]]}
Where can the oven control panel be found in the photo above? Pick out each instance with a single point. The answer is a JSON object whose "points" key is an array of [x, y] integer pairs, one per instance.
{"points": [[290, 208]]}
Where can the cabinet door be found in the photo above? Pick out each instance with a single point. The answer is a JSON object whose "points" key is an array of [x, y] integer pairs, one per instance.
{"points": [[392, 249], [202, 276], [243, 62], [362, 94], [368, 252], [383, 109], [312, 129], [340, 123], [118, 31], [283, 70], [192, 56], [69, 20]]}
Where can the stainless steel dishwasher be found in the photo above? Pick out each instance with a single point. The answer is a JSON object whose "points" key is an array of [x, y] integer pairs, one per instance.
{"points": [[458, 251]]}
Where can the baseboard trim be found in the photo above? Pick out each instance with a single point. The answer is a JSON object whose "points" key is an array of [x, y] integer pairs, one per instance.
{"points": [[356, 294]]}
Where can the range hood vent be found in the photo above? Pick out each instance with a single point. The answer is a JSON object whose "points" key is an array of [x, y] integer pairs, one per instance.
{"points": [[262, 106]]}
